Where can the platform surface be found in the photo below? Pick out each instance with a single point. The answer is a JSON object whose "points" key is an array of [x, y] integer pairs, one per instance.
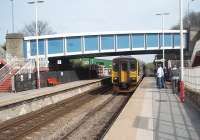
{"points": [[153, 114], [10, 98]]}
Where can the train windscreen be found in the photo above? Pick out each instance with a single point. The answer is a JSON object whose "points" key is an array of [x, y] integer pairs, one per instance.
{"points": [[115, 66], [124, 66], [132, 66]]}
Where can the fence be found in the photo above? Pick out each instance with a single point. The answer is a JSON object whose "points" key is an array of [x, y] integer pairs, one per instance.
{"points": [[27, 81], [192, 79], [8, 69]]}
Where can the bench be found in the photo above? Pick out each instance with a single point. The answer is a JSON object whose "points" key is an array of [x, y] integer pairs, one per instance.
{"points": [[52, 81]]}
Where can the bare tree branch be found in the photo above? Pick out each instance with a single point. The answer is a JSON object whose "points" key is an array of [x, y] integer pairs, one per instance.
{"points": [[192, 20], [43, 29]]}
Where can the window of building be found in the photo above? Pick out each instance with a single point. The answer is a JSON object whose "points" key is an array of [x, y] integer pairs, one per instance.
{"points": [[176, 39], [138, 40], [33, 47], [167, 40], [107, 42], [55, 46], [91, 43], [74, 44], [152, 40], [122, 41]]}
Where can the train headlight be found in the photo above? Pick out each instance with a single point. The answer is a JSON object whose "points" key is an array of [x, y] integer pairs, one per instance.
{"points": [[116, 79]]}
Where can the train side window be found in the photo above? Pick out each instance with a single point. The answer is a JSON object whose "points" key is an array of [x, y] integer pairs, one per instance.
{"points": [[115, 67], [132, 67], [124, 66]]}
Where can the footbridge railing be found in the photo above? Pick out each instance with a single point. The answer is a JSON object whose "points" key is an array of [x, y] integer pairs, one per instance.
{"points": [[30, 66], [10, 68]]}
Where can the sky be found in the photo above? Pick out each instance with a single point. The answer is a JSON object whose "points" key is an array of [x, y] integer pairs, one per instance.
{"points": [[93, 15]]}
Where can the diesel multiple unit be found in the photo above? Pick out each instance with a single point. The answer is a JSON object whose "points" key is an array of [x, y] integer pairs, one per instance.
{"points": [[126, 73]]}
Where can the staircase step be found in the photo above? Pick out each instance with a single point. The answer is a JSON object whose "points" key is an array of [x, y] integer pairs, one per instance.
{"points": [[5, 86], [4, 91]]}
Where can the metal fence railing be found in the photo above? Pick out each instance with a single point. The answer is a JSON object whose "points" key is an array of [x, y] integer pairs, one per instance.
{"points": [[30, 65], [44, 62], [192, 79], [16, 65], [187, 63], [9, 68]]}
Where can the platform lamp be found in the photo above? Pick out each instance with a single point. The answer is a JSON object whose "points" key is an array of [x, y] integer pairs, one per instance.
{"points": [[12, 2], [35, 2], [163, 39], [182, 94]]}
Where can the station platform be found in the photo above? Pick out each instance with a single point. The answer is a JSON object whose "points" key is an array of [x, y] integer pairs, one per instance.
{"points": [[155, 114], [10, 98], [13, 105]]}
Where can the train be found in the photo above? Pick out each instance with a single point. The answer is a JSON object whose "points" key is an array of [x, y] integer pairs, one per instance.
{"points": [[126, 73]]}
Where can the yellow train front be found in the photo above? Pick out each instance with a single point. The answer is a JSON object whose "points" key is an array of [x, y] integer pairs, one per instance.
{"points": [[126, 72]]}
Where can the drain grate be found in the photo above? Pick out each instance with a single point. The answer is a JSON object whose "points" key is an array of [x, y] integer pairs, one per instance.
{"points": [[141, 122]]}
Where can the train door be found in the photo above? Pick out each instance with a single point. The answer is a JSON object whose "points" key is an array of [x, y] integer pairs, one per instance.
{"points": [[124, 71]]}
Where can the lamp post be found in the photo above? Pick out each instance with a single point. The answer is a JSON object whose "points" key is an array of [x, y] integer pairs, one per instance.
{"points": [[182, 95], [163, 39], [188, 11], [35, 2], [12, 2]]}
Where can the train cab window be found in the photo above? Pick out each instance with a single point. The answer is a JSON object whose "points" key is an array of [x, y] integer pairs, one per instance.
{"points": [[132, 67], [115, 67], [124, 66]]}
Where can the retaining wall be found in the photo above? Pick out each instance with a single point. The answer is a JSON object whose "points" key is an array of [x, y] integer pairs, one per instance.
{"points": [[17, 108]]}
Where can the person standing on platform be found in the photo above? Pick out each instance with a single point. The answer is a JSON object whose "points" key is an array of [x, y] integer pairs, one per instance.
{"points": [[160, 76], [175, 79]]}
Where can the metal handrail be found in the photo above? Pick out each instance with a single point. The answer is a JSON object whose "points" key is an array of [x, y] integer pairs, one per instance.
{"points": [[14, 64], [187, 63], [43, 62], [28, 67], [8, 69]]}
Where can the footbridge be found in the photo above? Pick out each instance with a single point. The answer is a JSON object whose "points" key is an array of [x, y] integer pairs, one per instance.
{"points": [[104, 43]]}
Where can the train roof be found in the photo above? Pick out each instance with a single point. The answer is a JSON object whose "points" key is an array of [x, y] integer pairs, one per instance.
{"points": [[124, 58], [128, 58]]}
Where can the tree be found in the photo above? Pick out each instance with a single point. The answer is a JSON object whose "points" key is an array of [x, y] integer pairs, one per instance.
{"points": [[192, 20], [43, 29]]}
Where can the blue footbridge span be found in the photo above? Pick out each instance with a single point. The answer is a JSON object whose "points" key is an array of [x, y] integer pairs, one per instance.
{"points": [[104, 43]]}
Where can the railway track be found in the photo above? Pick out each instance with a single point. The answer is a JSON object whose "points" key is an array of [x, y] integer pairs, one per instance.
{"points": [[88, 116], [85, 116], [98, 120], [24, 125]]}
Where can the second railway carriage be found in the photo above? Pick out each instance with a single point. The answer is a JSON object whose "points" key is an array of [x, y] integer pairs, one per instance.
{"points": [[126, 73]]}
